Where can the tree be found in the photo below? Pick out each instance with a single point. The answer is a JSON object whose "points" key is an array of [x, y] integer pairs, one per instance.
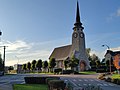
{"points": [[33, 64], [94, 59], [73, 62], [29, 66], [39, 64], [24, 67], [88, 50], [45, 65], [52, 63], [97, 63], [1, 64], [10, 68], [66, 62]]}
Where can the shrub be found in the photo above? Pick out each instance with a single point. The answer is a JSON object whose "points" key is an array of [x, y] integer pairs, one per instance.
{"points": [[114, 80], [52, 78], [37, 80], [108, 79], [56, 84], [67, 72], [118, 81], [57, 70], [75, 72], [100, 70], [101, 76]]}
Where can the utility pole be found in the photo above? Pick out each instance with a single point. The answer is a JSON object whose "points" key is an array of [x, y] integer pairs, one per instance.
{"points": [[110, 58], [4, 47]]}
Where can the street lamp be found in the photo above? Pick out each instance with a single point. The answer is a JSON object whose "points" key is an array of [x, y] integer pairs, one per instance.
{"points": [[106, 46], [109, 57], [17, 65]]}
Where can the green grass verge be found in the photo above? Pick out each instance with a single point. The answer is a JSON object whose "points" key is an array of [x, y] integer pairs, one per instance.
{"points": [[115, 76], [29, 87], [87, 72], [43, 73]]}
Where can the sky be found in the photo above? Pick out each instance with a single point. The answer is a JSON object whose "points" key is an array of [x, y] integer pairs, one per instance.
{"points": [[33, 28]]}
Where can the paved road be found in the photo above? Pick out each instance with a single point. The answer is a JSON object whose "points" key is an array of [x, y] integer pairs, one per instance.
{"points": [[7, 81]]}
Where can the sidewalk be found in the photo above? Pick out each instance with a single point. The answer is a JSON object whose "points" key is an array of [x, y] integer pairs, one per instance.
{"points": [[6, 87]]}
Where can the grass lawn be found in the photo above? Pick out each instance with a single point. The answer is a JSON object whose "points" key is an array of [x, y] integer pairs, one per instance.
{"points": [[87, 72], [116, 76], [29, 87], [43, 73]]}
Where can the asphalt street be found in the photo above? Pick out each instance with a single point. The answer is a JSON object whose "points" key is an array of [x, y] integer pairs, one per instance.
{"points": [[7, 81]]}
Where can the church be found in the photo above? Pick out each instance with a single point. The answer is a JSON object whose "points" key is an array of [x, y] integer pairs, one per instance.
{"points": [[77, 48]]}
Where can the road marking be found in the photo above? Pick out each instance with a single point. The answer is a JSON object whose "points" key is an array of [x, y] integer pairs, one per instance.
{"points": [[79, 84], [99, 84], [89, 84], [80, 80], [85, 80], [73, 83], [111, 84], [85, 84], [91, 80], [105, 84], [74, 80], [66, 80]]}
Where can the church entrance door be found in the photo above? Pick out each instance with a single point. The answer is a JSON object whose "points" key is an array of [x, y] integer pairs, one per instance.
{"points": [[82, 66]]}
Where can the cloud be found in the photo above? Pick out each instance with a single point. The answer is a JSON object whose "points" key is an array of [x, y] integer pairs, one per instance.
{"points": [[114, 15], [98, 53], [17, 45], [28, 51], [115, 49], [118, 12]]}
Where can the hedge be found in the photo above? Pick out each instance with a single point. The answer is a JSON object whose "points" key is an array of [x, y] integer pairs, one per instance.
{"points": [[57, 70], [37, 80], [56, 84]]}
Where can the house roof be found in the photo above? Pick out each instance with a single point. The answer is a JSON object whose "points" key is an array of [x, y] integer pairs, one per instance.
{"points": [[113, 53], [61, 53]]}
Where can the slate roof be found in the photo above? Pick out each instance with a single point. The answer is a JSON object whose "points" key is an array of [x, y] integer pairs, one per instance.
{"points": [[113, 53], [61, 53]]}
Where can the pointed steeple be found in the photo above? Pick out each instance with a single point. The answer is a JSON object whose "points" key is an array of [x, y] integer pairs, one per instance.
{"points": [[78, 22], [77, 14]]}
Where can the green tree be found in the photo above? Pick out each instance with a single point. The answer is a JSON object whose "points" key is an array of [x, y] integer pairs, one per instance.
{"points": [[39, 64], [66, 62], [94, 58], [10, 68], [88, 50], [52, 64], [29, 66], [45, 65], [24, 67], [97, 63], [33, 65], [73, 62], [1, 64]]}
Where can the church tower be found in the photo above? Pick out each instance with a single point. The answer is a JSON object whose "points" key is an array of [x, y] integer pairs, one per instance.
{"points": [[78, 43]]}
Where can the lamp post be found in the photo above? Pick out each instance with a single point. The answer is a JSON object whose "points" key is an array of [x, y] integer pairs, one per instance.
{"points": [[109, 57], [17, 65]]}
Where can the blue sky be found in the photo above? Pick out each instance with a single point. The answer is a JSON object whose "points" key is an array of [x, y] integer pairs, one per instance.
{"points": [[33, 28]]}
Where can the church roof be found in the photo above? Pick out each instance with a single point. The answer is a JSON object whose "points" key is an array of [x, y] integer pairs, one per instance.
{"points": [[61, 53]]}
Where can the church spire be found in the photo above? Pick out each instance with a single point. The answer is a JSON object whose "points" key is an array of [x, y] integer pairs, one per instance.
{"points": [[78, 23], [77, 14]]}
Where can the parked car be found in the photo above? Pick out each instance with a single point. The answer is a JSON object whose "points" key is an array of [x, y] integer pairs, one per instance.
{"points": [[1, 73]]}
